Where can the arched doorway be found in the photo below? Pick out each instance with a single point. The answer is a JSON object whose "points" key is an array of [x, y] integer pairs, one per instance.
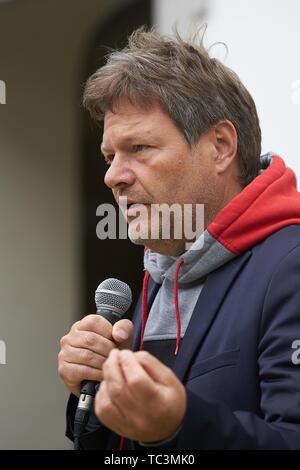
{"points": [[106, 258]]}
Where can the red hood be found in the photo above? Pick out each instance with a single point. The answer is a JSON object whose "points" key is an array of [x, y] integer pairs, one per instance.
{"points": [[266, 205]]}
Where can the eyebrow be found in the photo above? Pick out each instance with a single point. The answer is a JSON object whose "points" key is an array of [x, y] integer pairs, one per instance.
{"points": [[125, 140], [103, 149]]}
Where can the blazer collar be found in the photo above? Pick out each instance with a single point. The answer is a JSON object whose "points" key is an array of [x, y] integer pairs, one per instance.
{"points": [[214, 290]]}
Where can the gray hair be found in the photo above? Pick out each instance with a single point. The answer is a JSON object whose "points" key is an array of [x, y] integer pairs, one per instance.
{"points": [[196, 91]]}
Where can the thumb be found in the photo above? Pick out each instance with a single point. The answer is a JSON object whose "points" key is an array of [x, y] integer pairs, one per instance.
{"points": [[122, 333]]}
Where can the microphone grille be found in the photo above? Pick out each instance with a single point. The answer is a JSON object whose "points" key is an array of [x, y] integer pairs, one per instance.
{"points": [[113, 294]]}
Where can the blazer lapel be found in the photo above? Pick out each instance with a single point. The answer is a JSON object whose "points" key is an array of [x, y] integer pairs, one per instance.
{"points": [[212, 294]]}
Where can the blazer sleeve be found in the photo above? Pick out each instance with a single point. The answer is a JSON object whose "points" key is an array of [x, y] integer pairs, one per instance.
{"points": [[215, 425]]}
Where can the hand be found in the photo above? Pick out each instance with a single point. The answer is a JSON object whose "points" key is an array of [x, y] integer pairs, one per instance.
{"points": [[140, 398], [86, 347]]}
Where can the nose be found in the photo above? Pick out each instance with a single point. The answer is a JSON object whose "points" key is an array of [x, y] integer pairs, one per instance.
{"points": [[119, 173]]}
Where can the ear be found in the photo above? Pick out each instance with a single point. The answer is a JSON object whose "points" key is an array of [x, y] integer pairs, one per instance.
{"points": [[225, 143]]}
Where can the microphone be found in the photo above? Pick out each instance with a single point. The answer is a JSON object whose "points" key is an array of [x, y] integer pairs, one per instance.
{"points": [[113, 298]]}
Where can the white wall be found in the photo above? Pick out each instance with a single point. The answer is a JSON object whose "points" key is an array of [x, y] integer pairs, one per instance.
{"points": [[42, 47], [263, 37]]}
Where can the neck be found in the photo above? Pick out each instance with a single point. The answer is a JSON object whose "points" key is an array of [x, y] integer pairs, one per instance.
{"points": [[230, 191]]}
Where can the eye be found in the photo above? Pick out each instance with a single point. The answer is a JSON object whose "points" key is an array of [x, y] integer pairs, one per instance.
{"points": [[108, 159], [140, 147]]}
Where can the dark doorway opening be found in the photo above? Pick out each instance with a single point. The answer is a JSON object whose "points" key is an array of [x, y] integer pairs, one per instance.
{"points": [[106, 258]]}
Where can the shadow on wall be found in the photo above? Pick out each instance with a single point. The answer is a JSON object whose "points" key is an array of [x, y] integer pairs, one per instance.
{"points": [[106, 258]]}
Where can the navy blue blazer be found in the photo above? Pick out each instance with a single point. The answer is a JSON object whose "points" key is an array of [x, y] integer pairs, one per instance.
{"points": [[235, 359]]}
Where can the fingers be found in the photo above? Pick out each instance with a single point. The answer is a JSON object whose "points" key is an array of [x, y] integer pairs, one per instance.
{"points": [[122, 333], [126, 380], [125, 369], [84, 351], [86, 347], [114, 400], [95, 333], [81, 356], [113, 376], [168, 383], [95, 324], [159, 372], [107, 412], [111, 398], [132, 403], [137, 379], [88, 340], [77, 373], [74, 374]]}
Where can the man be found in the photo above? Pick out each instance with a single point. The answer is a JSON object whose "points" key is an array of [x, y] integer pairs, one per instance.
{"points": [[216, 323]]}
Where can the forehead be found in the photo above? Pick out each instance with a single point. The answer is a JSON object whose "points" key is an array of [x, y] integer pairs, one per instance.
{"points": [[130, 121]]}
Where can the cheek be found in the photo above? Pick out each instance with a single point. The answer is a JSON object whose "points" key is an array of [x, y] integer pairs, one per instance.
{"points": [[185, 180], [171, 184], [168, 181]]}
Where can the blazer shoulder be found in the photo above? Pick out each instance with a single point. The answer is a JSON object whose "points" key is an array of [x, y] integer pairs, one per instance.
{"points": [[280, 243]]}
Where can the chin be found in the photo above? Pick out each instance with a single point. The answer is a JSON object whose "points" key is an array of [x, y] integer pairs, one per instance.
{"points": [[139, 235], [138, 238], [159, 246]]}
